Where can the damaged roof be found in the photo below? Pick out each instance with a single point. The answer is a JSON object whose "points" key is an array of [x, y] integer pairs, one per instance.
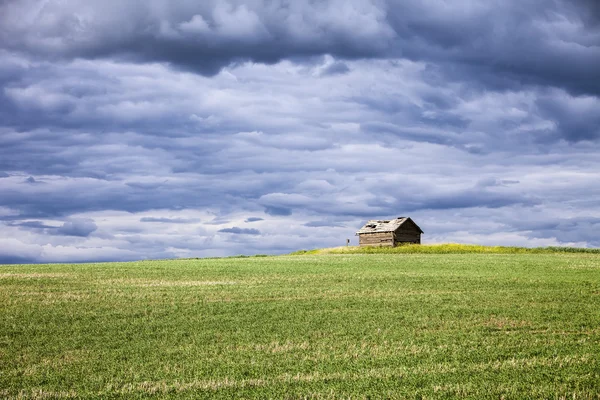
{"points": [[378, 225]]}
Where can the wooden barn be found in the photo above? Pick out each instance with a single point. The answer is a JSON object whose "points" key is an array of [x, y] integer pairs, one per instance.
{"points": [[389, 233]]}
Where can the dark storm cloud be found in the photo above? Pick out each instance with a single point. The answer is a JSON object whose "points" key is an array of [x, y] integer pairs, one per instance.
{"points": [[203, 36], [591, 11], [531, 42], [535, 42], [240, 231], [576, 119]]}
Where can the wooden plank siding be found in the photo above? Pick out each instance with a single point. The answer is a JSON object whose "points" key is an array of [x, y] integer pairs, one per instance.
{"points": [[376, 239], [407, 233], [407, 237]]}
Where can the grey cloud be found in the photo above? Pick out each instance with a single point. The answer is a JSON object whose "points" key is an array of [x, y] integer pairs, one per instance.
{"points": [[77, 227], [218, 221], [320, 224], [576, 118], [433, 135], [32, 225], [278, 211], [65, 196], [591, 11], [169, 220], [491, 182], [145, 185], [240, 231], [4, 175], [253, 219], [566, 230], [474, 198], [81, 227], [389, 199], [335, 68]]}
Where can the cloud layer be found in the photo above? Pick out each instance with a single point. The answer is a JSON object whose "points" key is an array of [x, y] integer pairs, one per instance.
{"points": [[151, 129]]}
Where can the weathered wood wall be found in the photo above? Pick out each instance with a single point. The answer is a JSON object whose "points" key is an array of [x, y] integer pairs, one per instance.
{"points": [[376, 239], [407, 233], [407, 237]]}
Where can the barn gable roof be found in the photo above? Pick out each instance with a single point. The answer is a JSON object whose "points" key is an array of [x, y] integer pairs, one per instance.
{"points": [[378, 226]]}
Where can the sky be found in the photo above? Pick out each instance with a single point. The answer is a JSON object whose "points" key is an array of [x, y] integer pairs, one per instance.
{"points": [[147, 129]]}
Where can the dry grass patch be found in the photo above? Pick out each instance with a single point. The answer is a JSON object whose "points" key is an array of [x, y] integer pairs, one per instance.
{"points": [[504, 323], [49, 364], [41, 394], [33, 275], [51, 297], [181, 283]]}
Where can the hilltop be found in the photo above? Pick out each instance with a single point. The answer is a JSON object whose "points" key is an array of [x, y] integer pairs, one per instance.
{"points": [[446, 248]]}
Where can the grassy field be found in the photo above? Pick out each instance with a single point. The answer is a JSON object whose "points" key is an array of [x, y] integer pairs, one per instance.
{"points": [[305, 326]]}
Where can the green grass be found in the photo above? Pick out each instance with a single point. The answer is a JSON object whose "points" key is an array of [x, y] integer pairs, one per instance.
{"points": [[314, 326]]}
